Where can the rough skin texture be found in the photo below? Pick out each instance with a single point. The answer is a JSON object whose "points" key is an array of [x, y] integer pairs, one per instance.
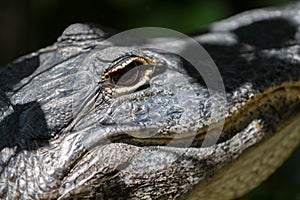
{"points": [[65, 134]]}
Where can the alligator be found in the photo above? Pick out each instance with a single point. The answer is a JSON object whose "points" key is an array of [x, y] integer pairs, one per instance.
{"points": [[73, 125]]}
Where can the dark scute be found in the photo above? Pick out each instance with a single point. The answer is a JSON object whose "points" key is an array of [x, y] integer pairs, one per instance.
{"points": [[13, 73], [269, 33], [25, 128]]}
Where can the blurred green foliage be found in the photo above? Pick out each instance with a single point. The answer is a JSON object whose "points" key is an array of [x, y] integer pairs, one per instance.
{"points": [[28, 25]]}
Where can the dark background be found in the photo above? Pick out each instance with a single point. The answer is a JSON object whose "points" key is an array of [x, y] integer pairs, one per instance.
{"points": [[27, 25]]}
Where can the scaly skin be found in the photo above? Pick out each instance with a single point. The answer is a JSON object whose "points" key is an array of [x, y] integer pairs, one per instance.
{"points": [[66, 132]]}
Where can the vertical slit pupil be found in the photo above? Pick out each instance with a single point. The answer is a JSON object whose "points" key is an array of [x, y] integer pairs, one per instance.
{"points": [[115, 76]]}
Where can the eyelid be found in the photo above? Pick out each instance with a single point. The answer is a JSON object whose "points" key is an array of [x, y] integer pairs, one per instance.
{"points": [[119, 90], [123, 63]]}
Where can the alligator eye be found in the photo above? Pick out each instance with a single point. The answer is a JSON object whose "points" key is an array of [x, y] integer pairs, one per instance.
{"points": [[129, 74]]}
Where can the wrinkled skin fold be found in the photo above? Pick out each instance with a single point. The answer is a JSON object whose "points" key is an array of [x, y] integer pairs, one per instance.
{"points": [[72, 126]]}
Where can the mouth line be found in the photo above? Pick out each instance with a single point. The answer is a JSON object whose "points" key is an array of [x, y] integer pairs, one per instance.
{"points": [[267, 105]]}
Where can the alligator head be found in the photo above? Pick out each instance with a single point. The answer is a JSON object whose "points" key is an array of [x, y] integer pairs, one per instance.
{"points": [[86, 118]]}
